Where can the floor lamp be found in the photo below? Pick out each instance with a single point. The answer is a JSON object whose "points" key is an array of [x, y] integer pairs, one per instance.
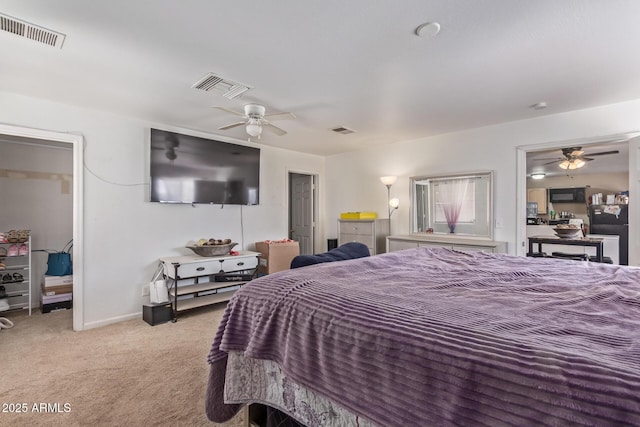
{"points": [[392, 204]]}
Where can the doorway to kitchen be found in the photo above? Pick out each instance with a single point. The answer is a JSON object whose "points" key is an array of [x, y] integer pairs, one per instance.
{"points": [[631, 142], [75, 142]]}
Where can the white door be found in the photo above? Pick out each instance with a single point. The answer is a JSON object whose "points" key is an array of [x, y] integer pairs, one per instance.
{"points": [[301, 211], [634, 200]]}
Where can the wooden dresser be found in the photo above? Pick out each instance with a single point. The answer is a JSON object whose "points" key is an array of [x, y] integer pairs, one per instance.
{"points": [[371, 232], [397, 243]]}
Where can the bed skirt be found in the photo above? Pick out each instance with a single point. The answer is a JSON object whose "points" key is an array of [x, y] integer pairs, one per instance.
{"points": [[251, 380]]}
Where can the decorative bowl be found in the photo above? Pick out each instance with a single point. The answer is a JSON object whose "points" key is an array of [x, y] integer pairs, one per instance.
{"points": [[212, 250], [568, 233]]}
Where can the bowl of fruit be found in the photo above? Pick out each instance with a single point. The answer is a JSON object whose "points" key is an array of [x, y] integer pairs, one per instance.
{"points": [[212, 247]]}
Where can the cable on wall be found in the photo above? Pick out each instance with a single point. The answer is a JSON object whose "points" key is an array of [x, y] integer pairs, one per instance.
{"points": [[86, 166]]}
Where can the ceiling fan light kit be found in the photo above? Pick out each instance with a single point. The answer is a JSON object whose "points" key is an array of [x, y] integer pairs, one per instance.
{"points": [[255, 119], [254, 129]]}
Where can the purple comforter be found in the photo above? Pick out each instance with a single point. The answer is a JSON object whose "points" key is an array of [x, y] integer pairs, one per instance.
{"points": [[434, 337]]}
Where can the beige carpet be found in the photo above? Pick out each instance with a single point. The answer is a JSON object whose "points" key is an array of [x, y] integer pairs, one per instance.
{"points": [[129, 373]]}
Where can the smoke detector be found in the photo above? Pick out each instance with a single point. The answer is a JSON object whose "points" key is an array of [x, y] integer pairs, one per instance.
{"points": [[30, 31]]}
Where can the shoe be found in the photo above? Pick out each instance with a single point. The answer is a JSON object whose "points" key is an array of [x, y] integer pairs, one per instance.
{"points": [[23, 235], [2, 266], [6, 279], [3, 252], [4, 304], [3, 292], [13, 250], [3, 238], [5, 323], [23, 249], [17, 277]]}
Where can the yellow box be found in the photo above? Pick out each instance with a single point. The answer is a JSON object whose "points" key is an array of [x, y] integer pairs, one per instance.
{"points": [[358, 215]]}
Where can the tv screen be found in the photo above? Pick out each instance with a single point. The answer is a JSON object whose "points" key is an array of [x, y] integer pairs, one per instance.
{"points": [[189, 169]]}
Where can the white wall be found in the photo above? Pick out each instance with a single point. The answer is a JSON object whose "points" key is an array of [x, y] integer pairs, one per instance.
{"points": [[352, 178], [124, 235]]}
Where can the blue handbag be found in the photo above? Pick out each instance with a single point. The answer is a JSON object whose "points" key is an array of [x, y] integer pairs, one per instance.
{"points": [[59, 263]]}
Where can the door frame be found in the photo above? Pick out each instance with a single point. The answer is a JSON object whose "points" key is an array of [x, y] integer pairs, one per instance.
{"points": [[315, 201], [521, 178], [77, 142]]}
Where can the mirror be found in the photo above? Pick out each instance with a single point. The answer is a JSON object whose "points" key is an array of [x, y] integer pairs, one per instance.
{"points": [[453, 205]]}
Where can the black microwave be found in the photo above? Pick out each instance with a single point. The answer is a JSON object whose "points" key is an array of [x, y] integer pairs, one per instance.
{"points": [[568, 195]]}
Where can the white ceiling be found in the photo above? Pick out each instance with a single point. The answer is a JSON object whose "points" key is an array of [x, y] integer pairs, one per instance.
{"points": [[353, 63]]}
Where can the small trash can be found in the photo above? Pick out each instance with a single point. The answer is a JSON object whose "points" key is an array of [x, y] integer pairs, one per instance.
{"points": [[332, 244]]}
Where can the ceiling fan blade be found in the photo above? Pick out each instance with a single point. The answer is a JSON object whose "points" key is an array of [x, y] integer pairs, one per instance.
{"points": [[232, 125], [576, 153], [274, 129], [280, 116], [237, 113], [548, 158], [587, 159], [602, 153], [554, 161]]}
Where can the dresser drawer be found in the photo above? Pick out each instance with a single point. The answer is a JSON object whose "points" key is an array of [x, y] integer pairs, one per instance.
{"points": [[238, 264], [398, 245], [362, 228], [193, 269], [367, 240], [188, 267]]}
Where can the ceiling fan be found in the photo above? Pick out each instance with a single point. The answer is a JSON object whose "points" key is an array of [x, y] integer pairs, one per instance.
{"points": [[254, 118], [575, 157]]}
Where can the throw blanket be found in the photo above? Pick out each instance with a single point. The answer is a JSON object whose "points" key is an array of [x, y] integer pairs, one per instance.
{"points": [[434, 337], [349, 250]]}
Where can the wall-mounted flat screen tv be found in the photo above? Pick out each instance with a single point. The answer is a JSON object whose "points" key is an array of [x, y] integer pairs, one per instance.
{"points": [[189, 169]]}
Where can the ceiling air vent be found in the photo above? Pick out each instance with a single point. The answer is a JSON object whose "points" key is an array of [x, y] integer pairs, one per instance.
{"points": [[228, 88], [343, 130], [30, 31]]}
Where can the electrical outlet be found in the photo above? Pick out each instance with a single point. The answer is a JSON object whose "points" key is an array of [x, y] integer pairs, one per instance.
{"points": [[145, 291]]}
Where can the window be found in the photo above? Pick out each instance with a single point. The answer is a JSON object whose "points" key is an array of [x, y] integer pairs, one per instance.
{"points": [[460, 204]]}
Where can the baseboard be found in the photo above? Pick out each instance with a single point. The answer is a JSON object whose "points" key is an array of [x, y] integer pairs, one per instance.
{"points": [[105, 322]]}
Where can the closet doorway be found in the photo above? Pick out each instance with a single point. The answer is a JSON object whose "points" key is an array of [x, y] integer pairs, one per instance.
{"points": [[48, 139]]}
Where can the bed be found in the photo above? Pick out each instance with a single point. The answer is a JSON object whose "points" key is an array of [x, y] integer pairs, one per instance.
{"points": [[434, 337]]}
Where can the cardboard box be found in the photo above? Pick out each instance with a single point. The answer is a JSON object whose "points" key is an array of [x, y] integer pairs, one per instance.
{"points": [[56, 306], [49, 299], [56, 290], [358, 215], [57, 280], [276, 256]]}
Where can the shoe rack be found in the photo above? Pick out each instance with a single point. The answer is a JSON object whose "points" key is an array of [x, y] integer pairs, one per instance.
{"points": [[15, 274]]}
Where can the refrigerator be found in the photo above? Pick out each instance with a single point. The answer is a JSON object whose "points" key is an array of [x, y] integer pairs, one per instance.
{"points": [[612, 220]]}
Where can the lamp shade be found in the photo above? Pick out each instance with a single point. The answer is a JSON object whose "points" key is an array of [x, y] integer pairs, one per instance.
{"points": [[388, 180], [394, 203], [537, 175]]}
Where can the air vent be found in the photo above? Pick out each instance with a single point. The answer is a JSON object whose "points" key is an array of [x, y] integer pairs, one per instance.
{"points": [[343, 130], [228, 88], [30, 31]]}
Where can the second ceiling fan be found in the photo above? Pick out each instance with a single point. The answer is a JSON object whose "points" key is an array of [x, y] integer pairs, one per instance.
{"points": [[254, 119], [575, 157]]}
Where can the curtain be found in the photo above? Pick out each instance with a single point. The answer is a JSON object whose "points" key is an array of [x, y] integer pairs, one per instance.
{"points": [[452, 194]]}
